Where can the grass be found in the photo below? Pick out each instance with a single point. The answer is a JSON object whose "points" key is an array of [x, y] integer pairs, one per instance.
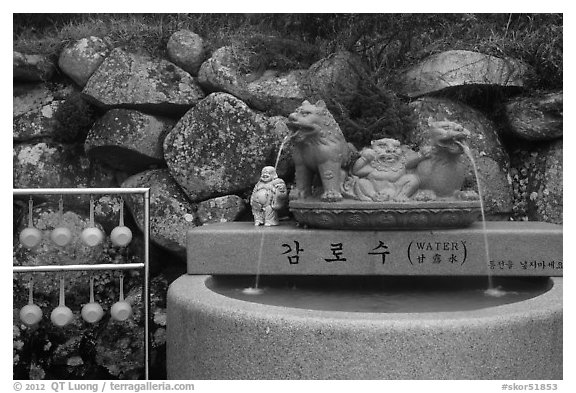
{"points": [[387, 42]]}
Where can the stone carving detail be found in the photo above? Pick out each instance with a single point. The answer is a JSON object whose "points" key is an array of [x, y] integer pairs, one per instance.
{"points": [[388, 185], [381, 173], [389, 215]]}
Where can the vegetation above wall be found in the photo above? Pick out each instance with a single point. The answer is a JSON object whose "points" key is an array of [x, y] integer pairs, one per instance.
{"points": [[388, 42]]}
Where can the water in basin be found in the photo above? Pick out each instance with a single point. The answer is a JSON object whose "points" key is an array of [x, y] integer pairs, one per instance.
{"points": [[380, 294]]}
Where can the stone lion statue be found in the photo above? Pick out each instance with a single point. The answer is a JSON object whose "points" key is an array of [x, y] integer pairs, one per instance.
{"points": [[442, 169], [320, 150]]}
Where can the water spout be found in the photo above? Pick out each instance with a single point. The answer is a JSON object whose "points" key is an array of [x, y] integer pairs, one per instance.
{"points": [[255, 290], [491, 291], [286, 139]]}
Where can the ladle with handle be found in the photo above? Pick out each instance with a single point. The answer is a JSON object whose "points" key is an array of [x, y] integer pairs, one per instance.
{"points": [[92, 236], [61, 315], [121, 310], [30, 237], [61, 236], [92, 312], [121, 235], [30, 314]]}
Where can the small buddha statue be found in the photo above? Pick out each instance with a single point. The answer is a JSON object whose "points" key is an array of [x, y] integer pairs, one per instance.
{"points": [[269, 196]]}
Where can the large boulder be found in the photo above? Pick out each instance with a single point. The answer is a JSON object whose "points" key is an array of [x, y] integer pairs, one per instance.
{"points": [[535, 118], [32, 68], [222, 72], [460, 68], [537, 173], [171, 214], [337, 76], [128, 140], [186, 50], [280, 93], [220, 146], [491, 159], [81, 58], [143, 83]]}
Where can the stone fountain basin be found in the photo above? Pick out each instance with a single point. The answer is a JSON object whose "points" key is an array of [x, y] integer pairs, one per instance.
{"points": [[213, 336]]}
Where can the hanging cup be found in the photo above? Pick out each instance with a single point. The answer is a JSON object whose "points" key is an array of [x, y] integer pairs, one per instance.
{"points": [[30, 314], [121, 235], [30, 237], [61, 236], [61, 315], [92, 236], [92, 312], [121, 310]]}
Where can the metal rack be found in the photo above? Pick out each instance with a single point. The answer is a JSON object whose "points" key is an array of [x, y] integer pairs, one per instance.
{"points": [[145, 192]]}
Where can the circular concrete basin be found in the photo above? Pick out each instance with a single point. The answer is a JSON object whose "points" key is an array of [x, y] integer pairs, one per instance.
{"points": [[214, 333]]}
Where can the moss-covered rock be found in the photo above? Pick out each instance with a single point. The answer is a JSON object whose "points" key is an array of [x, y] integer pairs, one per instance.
{"points": [[221, 209], [171, 214], [535, 118], [51, 165], [39, 123], [79, 59], [455, 68], [128, 140], [187, 50], [220, 146], [126, 80]]}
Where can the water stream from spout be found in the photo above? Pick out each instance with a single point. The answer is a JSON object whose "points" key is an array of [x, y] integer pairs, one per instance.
{"points": [[491, 291], [282, 145], [255, 290]]}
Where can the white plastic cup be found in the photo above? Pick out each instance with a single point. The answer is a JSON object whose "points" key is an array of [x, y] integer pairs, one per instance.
{"points": [[92, 236], [61, 236], [121, 236], [61, 316], [30, 314], [30, 237], [121, 311], [92, 312]]}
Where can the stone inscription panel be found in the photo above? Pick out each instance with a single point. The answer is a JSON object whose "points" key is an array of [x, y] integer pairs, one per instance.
{"points": [[236, 248]]}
